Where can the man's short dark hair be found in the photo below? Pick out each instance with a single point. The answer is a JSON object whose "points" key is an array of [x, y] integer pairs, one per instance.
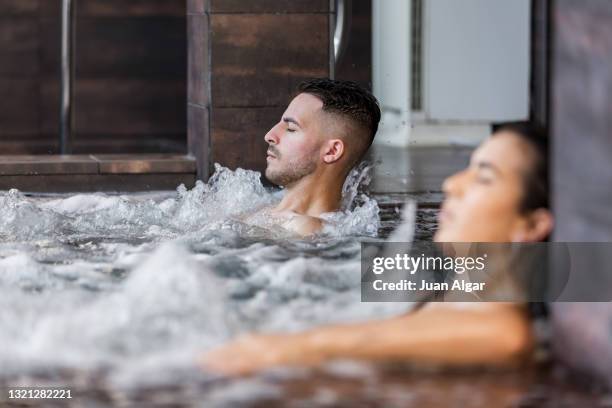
{"points": [[348, 100]]}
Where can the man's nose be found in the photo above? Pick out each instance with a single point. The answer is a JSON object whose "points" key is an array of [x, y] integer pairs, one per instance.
{"points": [[272, 136]]}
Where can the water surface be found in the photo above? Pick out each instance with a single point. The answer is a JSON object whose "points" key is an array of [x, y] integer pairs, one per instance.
{"points": [[130, 288]]}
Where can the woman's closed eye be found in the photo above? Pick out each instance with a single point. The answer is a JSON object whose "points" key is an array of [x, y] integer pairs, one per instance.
{"points": [[485, 175], [484, 178]]}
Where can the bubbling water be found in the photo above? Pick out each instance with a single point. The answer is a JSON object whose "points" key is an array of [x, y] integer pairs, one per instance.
{"points": [[123, 282]]}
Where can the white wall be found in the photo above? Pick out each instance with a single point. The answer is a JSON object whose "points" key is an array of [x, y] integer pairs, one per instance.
{"points": [[476, 69], [477, 60]]}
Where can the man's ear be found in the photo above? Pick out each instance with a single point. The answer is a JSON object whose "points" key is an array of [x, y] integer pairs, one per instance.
{"points": [[333, 150], [539, 225]]}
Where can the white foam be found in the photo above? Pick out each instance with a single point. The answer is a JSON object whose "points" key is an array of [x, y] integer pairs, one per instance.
{"points": [[144, 282], [81, 203]]}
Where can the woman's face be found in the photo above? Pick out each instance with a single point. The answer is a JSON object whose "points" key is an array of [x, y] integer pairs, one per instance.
{"points": [[482, 202]]}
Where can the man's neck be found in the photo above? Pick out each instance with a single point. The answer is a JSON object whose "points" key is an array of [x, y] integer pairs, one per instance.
{"points": [[313, 195]]}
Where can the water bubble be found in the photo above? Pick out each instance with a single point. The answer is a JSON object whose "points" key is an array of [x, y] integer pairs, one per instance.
{"points": [[145, 280]]}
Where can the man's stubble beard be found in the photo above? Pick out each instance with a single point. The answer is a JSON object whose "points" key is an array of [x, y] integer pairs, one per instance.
{"points": [[291, 173]]}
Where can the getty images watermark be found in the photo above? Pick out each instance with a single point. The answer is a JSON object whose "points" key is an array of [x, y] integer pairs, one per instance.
{"points": [[497, 272], [413, 264]]}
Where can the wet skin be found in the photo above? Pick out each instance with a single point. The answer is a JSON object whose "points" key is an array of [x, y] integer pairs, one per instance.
{"points": [[481, 205], [308, 157]]}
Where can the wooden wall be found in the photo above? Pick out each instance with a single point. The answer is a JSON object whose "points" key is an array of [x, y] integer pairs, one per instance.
{"points": [[245, 60], [131, 69], [355, 63], [582, 172]]}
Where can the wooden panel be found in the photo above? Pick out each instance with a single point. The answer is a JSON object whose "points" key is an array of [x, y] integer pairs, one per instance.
{"points": [[114, 113], [131, 70], [34, 144], [19, 7], [123, 8], [122, 106], [270, 6], [33, 165], [50, 33], [103, 144], [197, 6], [355, 63], [18, 106], [97, 182], [50, 106], [257, 61], [238, 136], [198, 68], [131, 48], [198, 138], [107, 143], [95, 164], [18, 47], [140, 164]]}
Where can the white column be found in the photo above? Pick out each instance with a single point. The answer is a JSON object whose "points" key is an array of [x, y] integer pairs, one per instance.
{"points": [[391, 69]]}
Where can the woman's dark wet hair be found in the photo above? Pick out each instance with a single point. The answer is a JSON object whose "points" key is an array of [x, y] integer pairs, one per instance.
{"points": [[346, 99], [536, 182]]}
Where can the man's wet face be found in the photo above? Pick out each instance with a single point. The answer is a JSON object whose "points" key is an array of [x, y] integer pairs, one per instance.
{"points": [[295, 141]]}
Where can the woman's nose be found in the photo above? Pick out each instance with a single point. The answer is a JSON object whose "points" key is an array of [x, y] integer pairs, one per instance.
{"points": [[453, 185]]}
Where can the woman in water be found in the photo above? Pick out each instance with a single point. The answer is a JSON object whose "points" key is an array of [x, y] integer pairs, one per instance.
{"points": [[502, 196]]}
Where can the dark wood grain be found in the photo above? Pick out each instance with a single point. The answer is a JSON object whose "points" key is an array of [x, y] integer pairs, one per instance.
{"points": [[97, 182], [19, 113], [197, 6], [131, 68], [42, 164], [144, 164], [122, 106], [19, 45], [270, 6], [355, 64], [238, 136], [19, 7], [136, 8], [198, 69], [257, 59], [198, 138]]}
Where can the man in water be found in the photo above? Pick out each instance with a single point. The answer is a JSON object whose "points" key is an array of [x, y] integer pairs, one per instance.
{"points": [[324, 132], [502, 196]]}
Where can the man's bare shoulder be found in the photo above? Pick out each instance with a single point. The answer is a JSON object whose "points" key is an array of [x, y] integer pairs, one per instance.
{"points": [[304, 224]]}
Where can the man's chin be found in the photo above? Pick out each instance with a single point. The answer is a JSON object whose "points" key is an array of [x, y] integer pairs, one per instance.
{"points": [[285, 177], [273, 178]]}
